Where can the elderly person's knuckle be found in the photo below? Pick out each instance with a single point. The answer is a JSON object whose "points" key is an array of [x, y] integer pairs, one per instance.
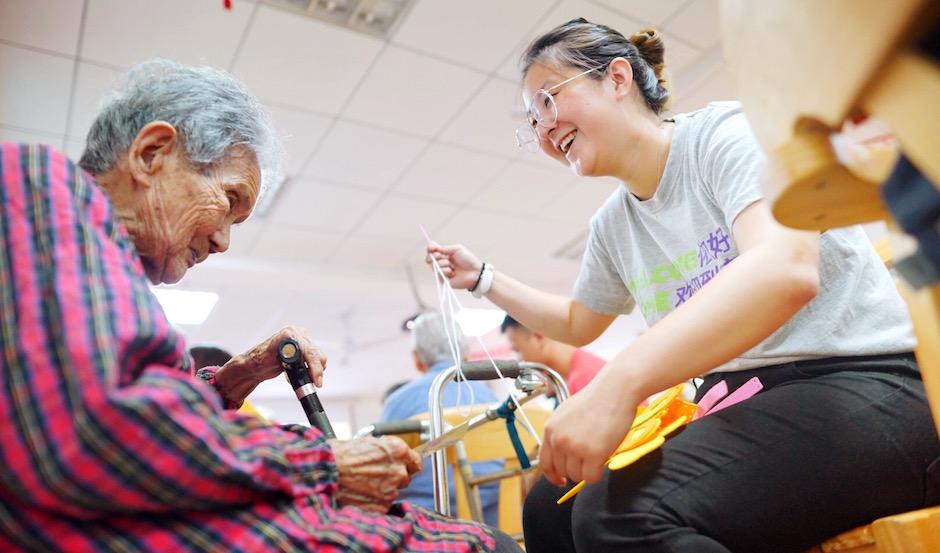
{"points": [[396, 446], [401, 476]]}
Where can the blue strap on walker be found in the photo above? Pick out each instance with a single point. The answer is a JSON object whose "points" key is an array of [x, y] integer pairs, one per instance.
{"points": [[507, 410]]}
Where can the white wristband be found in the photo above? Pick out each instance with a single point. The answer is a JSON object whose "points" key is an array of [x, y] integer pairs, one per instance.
{"points": [[486, 282]]}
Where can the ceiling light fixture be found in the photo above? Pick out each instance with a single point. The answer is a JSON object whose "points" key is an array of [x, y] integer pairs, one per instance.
{"points": [[373, 17], [186, 307]]}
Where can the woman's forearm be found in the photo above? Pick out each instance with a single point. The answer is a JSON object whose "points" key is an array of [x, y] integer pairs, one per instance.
{"points": [[554, 315], [709, 330]]}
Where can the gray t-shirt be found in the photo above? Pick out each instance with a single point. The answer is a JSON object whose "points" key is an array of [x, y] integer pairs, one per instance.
{"points": [[657, 253]]}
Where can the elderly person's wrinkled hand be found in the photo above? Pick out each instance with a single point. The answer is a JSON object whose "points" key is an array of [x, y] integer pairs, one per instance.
{"points": [[244, 372], [372, 470]]}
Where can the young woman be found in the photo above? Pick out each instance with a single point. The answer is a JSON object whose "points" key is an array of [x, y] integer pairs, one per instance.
{"points": [[841, 433]]}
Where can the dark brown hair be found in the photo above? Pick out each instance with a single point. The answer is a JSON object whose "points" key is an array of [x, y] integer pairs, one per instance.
{"points": [[585, 45]]}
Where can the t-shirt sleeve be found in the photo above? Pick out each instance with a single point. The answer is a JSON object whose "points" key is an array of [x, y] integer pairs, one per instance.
{"points": [[732, 162], [599, 286]]}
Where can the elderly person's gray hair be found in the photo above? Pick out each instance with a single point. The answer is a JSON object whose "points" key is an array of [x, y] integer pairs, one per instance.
{"points": [[430, 340], [211, 110]]}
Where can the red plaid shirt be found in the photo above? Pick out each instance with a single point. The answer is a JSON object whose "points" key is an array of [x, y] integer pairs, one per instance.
{"points": [[108, 442]]}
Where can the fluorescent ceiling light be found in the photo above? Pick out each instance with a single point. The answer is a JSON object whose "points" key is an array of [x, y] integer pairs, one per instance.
{"points": [[374, 17], [477, 322], [186, 307]]}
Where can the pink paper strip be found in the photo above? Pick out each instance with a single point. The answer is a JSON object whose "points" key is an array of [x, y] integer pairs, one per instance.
{"points": [[747, 390], [712, 396]]}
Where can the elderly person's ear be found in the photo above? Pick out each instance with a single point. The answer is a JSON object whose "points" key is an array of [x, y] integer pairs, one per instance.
{"points": [[151, 150]]}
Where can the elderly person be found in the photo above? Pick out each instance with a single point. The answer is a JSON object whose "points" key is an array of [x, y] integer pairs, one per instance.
{"points": [[108, 441], [431, 352]]}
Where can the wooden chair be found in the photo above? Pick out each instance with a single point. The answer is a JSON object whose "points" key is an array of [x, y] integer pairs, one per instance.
{"points": [[487, 443], [248, 409], [801, 68]]}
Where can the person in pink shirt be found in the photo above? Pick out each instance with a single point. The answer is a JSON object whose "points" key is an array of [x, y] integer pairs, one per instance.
{"points": [[577, 366]]}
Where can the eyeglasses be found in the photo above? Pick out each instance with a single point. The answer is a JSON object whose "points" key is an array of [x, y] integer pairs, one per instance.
{"points": [[542, 112]]}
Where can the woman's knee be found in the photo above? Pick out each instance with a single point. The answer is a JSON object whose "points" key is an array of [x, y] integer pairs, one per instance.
{"points": [[542, 518], [540, 503], [617, 516]]}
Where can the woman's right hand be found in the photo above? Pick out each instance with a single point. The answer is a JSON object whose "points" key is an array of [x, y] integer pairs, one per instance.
{"points": [[458, 263], [372, 470]]}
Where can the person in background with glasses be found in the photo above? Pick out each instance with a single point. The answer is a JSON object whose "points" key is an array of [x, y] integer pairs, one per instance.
{"points": [[729, 294]]}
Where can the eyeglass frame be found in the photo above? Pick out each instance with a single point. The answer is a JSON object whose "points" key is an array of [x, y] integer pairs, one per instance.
{"points": [[527, 134]]}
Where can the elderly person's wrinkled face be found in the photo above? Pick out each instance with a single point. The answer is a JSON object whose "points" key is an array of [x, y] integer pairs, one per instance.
{"points": [[192, 213], [177, 214]]}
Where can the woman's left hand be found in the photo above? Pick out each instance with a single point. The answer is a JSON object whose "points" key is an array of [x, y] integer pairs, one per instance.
{"points": [[244, 372], [584, 430]]}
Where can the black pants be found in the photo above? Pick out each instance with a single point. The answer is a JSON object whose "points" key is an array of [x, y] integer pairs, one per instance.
{"points": [[505, 544], [826, 446]]}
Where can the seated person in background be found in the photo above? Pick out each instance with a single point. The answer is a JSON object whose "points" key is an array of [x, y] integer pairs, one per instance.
{"points": [[110, 440], [209, 356], [432, 354], [214, 356], [576, 365], [392, 389]]}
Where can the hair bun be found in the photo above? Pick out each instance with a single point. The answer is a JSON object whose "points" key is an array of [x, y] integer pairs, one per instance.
{"points": [[650, 44]]}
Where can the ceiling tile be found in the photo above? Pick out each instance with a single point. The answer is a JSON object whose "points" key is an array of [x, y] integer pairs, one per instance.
{"points": [[522, 189], [543, 272], [489, 120], [697, 23], [92, 84], [48, 24], [300, 132], [449, 173], [717, 86], [646, 12], [308, 204], [566, 11], [294, 245], [195, 32], [363, 251], [412, 93], [294, 60], [363, 156], [26, 137], [34, 93], [460, 41], [398, 218], [244, 236], [541, 239], [478, 230], [580, 200], [74, 148], [679, 55]]}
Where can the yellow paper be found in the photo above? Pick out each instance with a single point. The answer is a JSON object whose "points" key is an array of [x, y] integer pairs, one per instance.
{"points": [[657, 408], [662, 417], [571, 493], [639, 435], [623, 460]]}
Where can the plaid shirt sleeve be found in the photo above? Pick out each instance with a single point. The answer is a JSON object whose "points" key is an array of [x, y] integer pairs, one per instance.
{"points": [[107, 441], [105, 418]]}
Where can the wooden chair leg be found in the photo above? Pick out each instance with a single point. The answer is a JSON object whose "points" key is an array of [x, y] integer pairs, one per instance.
{"points": [[924, 307]]}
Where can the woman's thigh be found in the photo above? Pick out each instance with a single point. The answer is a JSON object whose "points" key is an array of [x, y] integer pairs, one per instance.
{"points": [[778, 472]]}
